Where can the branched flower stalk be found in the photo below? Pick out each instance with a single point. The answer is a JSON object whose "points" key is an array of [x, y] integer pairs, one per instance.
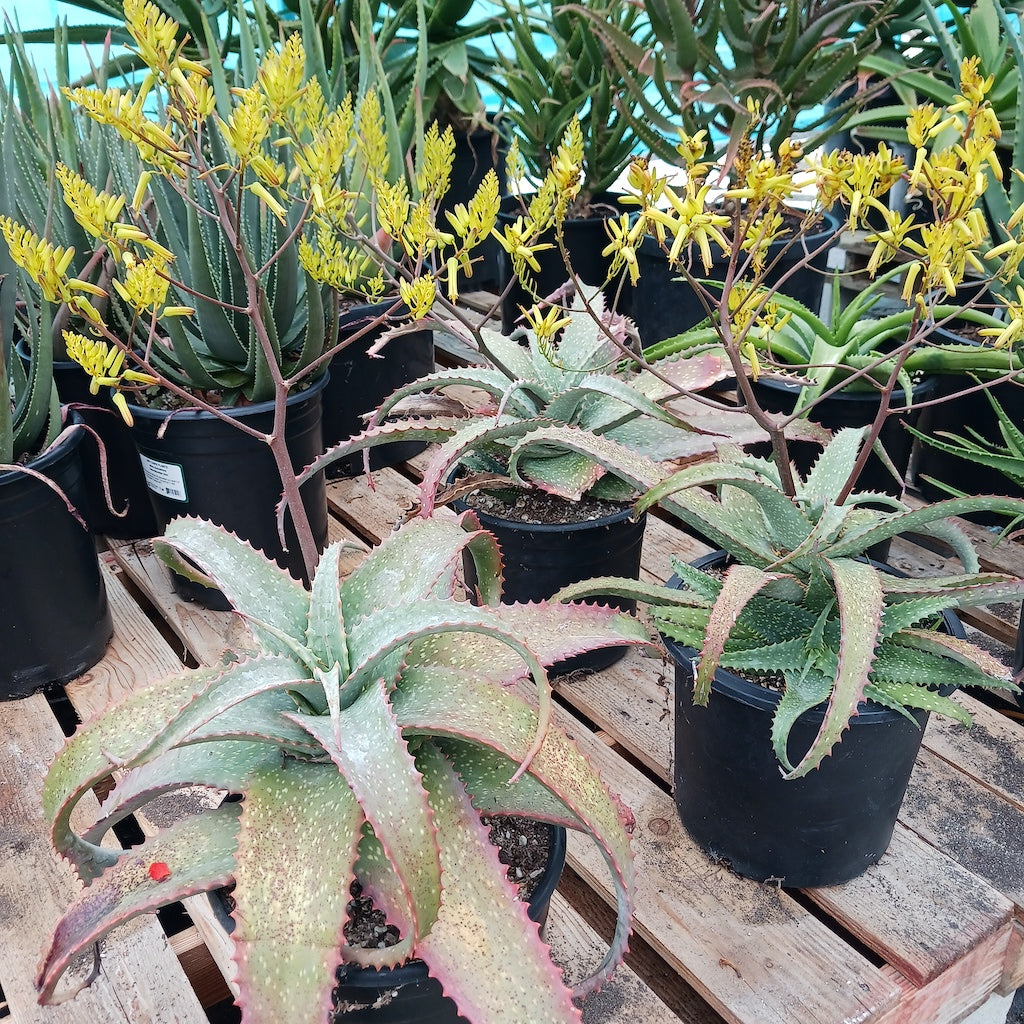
{"points": [[254, 205], [746, 313]]}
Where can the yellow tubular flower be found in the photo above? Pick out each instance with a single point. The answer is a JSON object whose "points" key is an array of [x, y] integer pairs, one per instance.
{"points": [[418, 295], [280, 76], [105, 366], [545, 326], [94, 210]]}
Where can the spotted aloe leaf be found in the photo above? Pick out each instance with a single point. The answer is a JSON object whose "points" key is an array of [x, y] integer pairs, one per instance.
{"points": [[479, 897], [290, 906], [382, 773], [740, 584], [859, 595], [194, 855], [424, 704]]}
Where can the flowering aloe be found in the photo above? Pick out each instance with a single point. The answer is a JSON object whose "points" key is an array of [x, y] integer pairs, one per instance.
{"points": [[800, 600], [372, 719]]}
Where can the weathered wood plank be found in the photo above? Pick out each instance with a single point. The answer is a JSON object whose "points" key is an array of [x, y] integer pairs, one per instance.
{"points": [[921, 911], [954, 993], [141, 981], [750, 950]]}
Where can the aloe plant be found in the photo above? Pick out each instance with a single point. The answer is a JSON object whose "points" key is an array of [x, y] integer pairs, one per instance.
{"points": [[370, 725], [537, 407], [800, 599]]}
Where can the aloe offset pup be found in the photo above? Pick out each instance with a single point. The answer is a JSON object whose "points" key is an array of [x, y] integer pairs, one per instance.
{"points": [[367, 730]]}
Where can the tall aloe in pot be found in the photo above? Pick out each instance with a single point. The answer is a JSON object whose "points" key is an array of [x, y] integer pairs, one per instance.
{"points": [[370, 723]]}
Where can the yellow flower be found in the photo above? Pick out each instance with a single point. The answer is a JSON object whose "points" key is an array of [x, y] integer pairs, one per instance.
{"points": [[105, 365], [418, 295], [545, 326]]}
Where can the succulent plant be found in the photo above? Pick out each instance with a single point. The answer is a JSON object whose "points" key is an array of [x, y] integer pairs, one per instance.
{"points": [[800, 600], [569, 416], [365, 731]]}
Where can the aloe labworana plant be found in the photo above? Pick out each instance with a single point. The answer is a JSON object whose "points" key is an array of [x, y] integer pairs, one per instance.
{"points": [[372, 722], [800, 599]]}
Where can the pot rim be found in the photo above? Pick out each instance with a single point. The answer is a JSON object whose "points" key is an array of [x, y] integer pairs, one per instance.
{"points": [[315, 387], [44, 461], [513, 525]]}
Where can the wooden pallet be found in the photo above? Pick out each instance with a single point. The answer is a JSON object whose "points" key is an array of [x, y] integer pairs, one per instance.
{"points": [[922, 938]]}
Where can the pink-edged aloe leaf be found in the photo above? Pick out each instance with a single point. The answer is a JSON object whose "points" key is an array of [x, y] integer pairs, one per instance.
{"points": [[226, 765], [859, 598], [568, 475], [290, 908], [615, 586], [486, 556], [606, 401], [739, 585], [555, 633], [422, 559], [457, 704], [492, 382], [479, 908], [199, 853], [635, 469], [855, 541], [948, 592], [470, 438], [380, 771], [256, 587], [961, 651], [375, 639], [141, 726]]}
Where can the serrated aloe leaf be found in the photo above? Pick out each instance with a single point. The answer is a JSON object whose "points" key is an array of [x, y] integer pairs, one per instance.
{"points": [[373, 757], [568, 475], [617, 586], [379, 882], [457, 704], [899, 696], [957, 650], [555, 633], [115, 739], [290, 908], [859, 600], [227, 765], [491, 382], [830, 472], [325, 630], [805, 689], [390, 630], [485, 553], [739, 585], [479, 897], [421, 560], [199, 853], [255, 586]]}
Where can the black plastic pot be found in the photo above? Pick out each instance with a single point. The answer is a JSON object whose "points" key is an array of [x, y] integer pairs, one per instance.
{"points": [[129, 513], [822, 829], [408, 994], [849, 408], [54, 618], [359, 383], [539, 559], [585, 237], [664, 303], [204, 467], [476, 153]]}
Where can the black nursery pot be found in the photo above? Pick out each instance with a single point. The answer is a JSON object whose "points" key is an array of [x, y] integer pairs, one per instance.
{"points": [[129, 514], [539, 559], [822, 829], [585, 237], [204, 467], [407, 994], [665, 305], [54, 618], [359, 383]]}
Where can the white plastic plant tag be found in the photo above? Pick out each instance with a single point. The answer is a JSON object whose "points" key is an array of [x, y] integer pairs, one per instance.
{"points": [[164, 478]]}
